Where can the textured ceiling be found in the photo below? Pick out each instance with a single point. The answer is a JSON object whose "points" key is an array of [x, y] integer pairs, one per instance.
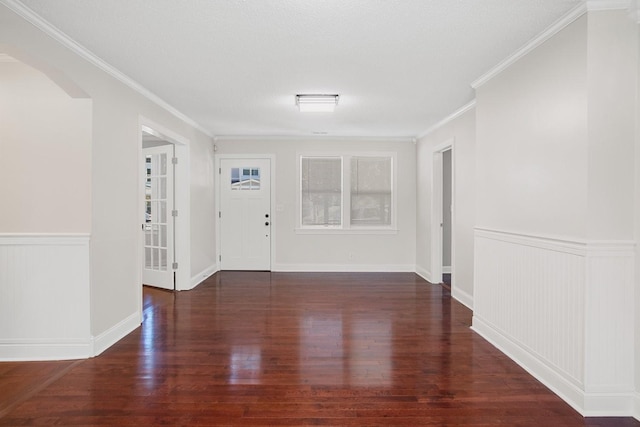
{"points": [[234, 66]]}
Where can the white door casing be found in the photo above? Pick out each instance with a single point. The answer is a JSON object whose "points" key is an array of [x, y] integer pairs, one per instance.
{"points": [[245, 213], [159, 224], [436, 211]]}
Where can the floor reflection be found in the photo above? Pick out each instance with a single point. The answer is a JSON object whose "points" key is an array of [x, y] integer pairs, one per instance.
{"points": [[321, 348], [245, 364], [370, 351], [156, 302]]}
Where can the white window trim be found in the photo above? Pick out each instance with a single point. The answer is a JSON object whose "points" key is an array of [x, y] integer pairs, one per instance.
{"points": [[347, 227]]}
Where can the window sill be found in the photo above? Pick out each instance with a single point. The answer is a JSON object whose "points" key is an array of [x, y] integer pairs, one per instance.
{"points": [[357, 230]]}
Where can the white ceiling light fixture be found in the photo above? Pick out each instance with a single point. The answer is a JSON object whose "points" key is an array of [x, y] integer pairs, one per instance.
{"points": [[317, 103]]}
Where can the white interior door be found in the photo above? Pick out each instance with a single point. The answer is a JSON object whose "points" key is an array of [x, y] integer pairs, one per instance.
{"points": [[159, 221], [245, 214]]}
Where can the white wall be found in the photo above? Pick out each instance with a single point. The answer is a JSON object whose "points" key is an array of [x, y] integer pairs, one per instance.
{"points": [[554, 238], [45, 177], [612, 87], [203, 240], [386, 252], [462, 131], [531, 133], [45, 153], [114, 165]]}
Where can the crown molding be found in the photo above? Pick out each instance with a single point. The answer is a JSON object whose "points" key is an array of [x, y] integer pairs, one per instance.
{"points": [[221, 138], [59, 36], [6, 58], [634, 10], [449, 118], [594, 5], [554, 29]]}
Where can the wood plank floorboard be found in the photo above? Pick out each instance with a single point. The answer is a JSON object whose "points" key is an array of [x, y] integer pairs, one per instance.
{"points": [[291, 349]]}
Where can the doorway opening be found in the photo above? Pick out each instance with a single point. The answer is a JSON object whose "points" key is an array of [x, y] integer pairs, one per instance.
{"points": [[447, 194], [164, 206], [442, 214]]}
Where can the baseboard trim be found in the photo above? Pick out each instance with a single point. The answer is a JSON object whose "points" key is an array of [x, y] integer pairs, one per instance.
{"points": [[446, 269], [28, 350], [552, 379], [115, 333], [345, 268], [608, 404], [202, 276], [462, 297], [424, 273], [587, 404]]}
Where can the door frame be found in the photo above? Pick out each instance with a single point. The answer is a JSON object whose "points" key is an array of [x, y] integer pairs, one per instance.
{"points": [[437, 185], [272, 196], [182, 196]]}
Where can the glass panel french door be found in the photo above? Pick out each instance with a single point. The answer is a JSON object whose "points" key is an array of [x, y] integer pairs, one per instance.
{"points": [[159, 221]]}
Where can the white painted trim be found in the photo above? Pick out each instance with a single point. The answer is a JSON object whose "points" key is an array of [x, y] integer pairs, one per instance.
{"points": [[203, 275], [554, 29], [6, 58], [116, 333], [162, 132], [446, 269], [59, 36], [552, 378], [345, 268], [608, 405], [451, 117], [355, 230], [424, 273], [319, 138], [462, 297], [436, 208], [634, 11], [571, 16], [565, 244], [595, 5], [40, 239], [182, 192], [42, 349], [636, 406]]}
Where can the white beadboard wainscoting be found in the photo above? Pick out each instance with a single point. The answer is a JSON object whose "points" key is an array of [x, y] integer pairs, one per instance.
{"points": [[563, 310], [44, 297]]}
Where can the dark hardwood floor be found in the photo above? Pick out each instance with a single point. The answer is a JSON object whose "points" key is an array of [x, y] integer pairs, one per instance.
{"points": [[291, 349]]}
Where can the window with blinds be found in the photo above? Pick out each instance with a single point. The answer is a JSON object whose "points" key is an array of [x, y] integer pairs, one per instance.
{"points": [[371, 191], [321, 191], [362, 184]]}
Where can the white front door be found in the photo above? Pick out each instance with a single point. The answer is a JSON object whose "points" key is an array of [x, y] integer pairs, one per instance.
{"points": [[159, 221], [245, 214]]}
